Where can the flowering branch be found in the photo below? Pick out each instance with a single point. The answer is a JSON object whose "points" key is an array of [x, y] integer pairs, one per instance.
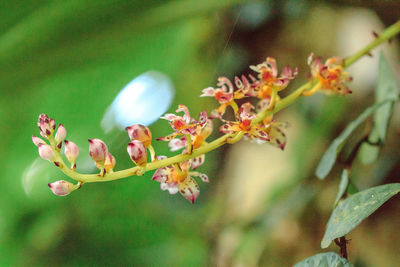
{"points": [[189, 134]]}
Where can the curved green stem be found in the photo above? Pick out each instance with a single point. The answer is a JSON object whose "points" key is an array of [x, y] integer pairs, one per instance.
{"points": [[383, 37]]}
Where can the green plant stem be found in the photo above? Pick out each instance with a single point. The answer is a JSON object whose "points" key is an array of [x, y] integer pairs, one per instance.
{"points": [[189, 143], [227, 138], [386, 35]]}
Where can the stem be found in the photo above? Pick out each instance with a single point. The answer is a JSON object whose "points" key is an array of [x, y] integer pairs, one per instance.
{"points": [[313, 90], [383, 37], [342, 244], [227, 138], [234, 107], [152, 153], [189, 143]]}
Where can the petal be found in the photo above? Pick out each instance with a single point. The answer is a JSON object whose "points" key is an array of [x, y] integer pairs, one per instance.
{"points": [[310, 59], [263, 104], [209, 91], [170, 117], [203, 118], [37, 141], [185, 110], [171, 187], [162, 174], [202, 176], [225, 84], [198, 161], [177, 143], [277, 136], [168, 137], [189, 189], [230, 127], [271, 63]]}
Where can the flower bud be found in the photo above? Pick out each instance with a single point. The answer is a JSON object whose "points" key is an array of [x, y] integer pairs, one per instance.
{"points": [[61, 188], [98, 150], [139, 132], [37, 140], [109, 163], [71, 151], [60, 134], [44, 125], [46, 152], [137, 152]]}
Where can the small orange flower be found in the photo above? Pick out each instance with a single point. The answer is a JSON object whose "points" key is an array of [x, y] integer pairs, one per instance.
{"points": [[224, 94], [268, 79], [179, 179], [243, 124], [183, 125], [331, 75]]}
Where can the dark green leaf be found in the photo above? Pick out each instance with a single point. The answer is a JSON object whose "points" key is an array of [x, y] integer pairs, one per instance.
{"points": [[330, 259], [329, 158], [344, 182], [353, 210]]}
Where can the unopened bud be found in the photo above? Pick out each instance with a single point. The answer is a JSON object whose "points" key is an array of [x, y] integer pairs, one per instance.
{"points": [[44, 125], [37, 141], [98, 150], [46, 152], [61, 188], [137, 152], [71, 151], [109, 163], [139, 132], [60, 134]]}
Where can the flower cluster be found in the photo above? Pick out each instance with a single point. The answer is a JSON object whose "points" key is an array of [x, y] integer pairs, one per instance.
{"points": [[253, 119], [265, 87]]}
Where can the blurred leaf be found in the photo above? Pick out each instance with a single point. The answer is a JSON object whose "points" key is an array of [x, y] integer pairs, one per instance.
{"points": [[386, 89], [324, 259], [329, 158], [369, 153], [344, 182], [353, 210]]}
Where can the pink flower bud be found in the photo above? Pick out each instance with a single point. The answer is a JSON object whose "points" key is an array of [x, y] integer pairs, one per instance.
{"points": [[37, 141], [109, 163], [98, 150], [137, 152], [46, 152], [71, 151], [141, 133], [61, 188], [44, 125], [60, 134]]}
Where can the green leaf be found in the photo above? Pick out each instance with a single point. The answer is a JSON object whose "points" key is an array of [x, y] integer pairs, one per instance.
{"points": [[329, 158], [324, 259], [344, 182], [369, 153], [386, 89], [353, 210]]}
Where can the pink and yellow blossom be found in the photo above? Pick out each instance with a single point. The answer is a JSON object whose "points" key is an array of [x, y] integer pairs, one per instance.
{"points": [[178, 178]]}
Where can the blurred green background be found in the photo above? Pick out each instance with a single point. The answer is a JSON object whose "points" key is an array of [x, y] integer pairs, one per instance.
{"points": [[263, 207]]}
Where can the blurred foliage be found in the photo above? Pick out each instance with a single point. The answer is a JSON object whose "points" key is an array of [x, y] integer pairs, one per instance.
{"points": [[70, 59]]}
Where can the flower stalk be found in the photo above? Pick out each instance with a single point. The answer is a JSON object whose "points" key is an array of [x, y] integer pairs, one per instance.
{"points": [[195, 132]]}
